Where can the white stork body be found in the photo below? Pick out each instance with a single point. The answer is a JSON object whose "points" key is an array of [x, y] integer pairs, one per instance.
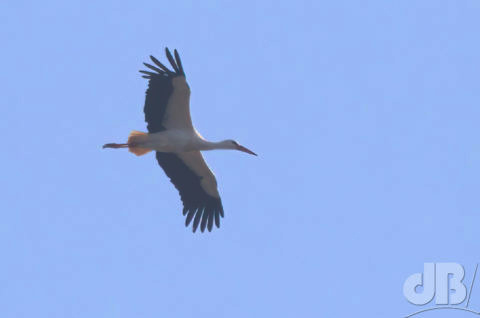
{"points": [[178, 144], [179, 141]]}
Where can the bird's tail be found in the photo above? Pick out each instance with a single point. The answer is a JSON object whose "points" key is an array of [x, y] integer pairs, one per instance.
{"points": [[134, 143]]}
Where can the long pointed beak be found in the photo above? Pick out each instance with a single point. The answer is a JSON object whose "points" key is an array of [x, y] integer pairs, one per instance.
{"points": [[242, 148]]}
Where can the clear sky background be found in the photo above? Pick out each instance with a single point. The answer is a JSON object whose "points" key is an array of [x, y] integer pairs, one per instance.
{"points": [[365, 116]]}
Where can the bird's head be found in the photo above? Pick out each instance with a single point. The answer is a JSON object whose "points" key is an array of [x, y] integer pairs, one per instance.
{"points": [[232, 144]]}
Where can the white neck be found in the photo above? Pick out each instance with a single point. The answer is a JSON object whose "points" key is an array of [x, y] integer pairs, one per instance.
{"points": [[209, 145]]}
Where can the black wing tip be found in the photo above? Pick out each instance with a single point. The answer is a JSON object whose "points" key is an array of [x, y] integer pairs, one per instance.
{"points": [[203, 218], [154, 68], [172, 61], [160, 65], [179, 62], [167, 51], [162, 69]]}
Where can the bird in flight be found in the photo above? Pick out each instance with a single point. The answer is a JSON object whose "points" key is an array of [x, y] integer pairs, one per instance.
{"points": [[178, 144]]}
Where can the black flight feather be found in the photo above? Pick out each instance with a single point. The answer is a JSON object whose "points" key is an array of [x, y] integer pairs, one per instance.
{"points": [[148, 73], [163, 67], [179, 62], [171, 60], [156, 69]]}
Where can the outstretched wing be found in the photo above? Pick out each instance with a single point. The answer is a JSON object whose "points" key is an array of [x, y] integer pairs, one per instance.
{"points": [[197, 186], [167, 101], [167, 107]]}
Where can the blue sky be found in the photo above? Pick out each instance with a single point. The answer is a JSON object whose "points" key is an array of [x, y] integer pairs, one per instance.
{"points": [[364, 115]]}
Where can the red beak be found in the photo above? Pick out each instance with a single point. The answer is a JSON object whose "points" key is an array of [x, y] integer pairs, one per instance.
{"points": [[242, 148]]}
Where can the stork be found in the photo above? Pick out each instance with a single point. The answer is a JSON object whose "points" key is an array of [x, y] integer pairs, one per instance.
{"points": [[178, 144]]}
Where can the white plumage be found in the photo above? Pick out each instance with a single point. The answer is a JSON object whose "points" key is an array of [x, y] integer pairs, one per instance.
{"points": [[178, 144]]}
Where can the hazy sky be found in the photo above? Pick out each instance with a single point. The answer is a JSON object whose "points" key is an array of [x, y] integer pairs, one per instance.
{"points": [[365, 116]]}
